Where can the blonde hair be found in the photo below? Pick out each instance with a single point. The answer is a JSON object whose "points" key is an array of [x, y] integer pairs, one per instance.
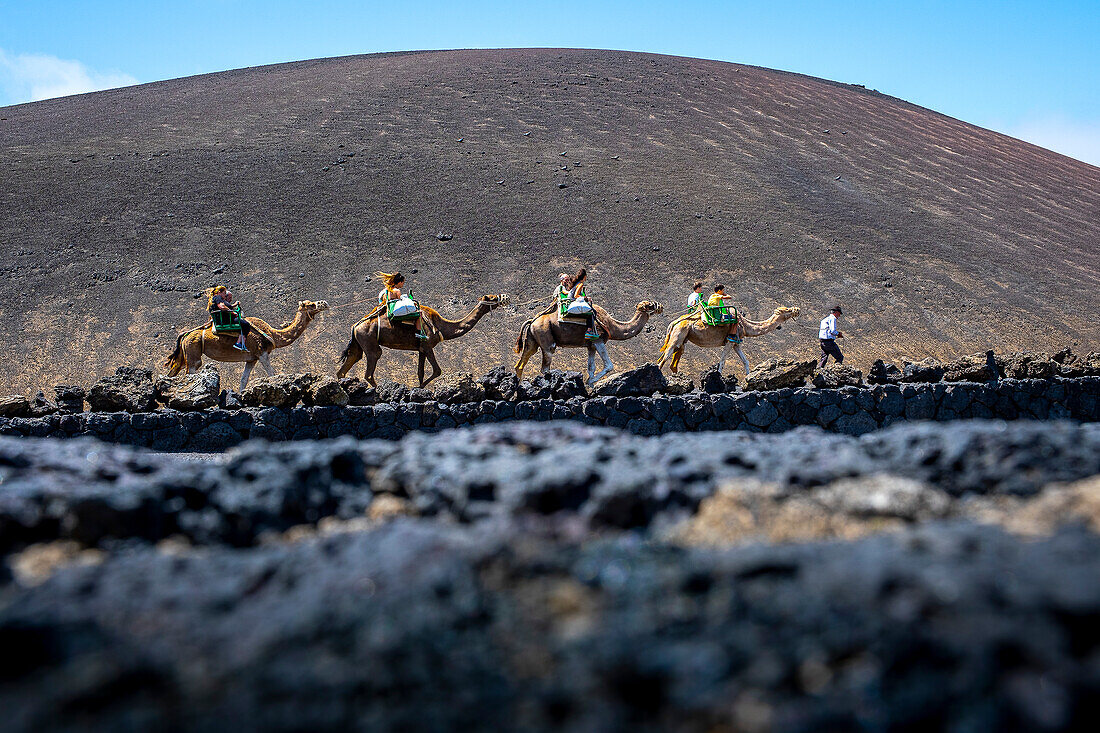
{"points": [[211, 292], [390, 279]]}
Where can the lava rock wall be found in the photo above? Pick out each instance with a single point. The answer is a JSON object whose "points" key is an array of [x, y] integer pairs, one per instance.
{"points": [[849, 410]]}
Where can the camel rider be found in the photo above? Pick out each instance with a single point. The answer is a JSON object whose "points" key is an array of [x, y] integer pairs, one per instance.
{"points": [[219, 298], [576, 292], [720, 299], [563, 287], [391, 292], [695, 300]]}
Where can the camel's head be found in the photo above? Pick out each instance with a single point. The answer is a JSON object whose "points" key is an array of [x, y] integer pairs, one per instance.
{"points": [[651, 307], [494, 301], [784, 312], [312, 308]]}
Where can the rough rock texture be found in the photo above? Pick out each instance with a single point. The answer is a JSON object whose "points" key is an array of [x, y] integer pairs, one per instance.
{"points": [[1029, 365], [70, 398], [643, 382], [189, 392], [500, 383], [40, 406], [15, 405], [554, 384], [849, 410], [972, 368], [837, 376], [279, 390], [416, 626], [883, 373], [230, 400], [779, 373], [1088, 366], [359, 393], [678, 384], [95, 494], [713, 381], [129, 389], [457, 387], [325, 392], [391, 391], [926, 371]]}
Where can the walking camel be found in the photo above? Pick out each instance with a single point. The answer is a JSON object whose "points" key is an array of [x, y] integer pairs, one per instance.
{"points": [[547, 333], [369, 335], [192, 345], [681, 331]]}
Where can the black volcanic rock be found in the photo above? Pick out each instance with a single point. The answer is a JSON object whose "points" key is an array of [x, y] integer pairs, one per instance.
{"points": [[70, 398], [643, 382], [554, 384], [129, 389], [188, 392], [416, 626], [883, 373]]}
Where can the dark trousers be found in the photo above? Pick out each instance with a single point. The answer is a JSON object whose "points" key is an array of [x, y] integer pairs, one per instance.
{"points": [[831, 349]]}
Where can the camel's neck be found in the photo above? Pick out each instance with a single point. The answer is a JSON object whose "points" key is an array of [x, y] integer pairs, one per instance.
{"points": [[289, 334], [621, 331], [759, 328], [453, 329]]}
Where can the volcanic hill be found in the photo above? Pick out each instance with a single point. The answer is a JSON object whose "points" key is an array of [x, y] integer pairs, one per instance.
{"points": [[491, 171]]}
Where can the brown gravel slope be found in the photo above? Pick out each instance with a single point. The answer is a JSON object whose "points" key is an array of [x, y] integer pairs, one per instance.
{"points": [[299, 180]]}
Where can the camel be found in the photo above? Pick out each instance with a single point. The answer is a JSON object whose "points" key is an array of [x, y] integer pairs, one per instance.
{"points": [[690, 328], [547, 333], [192, 345], [370, 334]]}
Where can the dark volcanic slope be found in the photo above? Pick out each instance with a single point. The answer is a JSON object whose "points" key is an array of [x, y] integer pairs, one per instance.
{"points": [[301, 179]]}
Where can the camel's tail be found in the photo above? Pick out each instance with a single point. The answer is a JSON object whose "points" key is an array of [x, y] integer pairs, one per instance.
{"points": [[176, 363], [524, 334], [668, 335], [348, 349]]}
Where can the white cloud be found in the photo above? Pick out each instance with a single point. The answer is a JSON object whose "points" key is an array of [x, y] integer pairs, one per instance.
{"points": [[31, 77], [1074, 138]]}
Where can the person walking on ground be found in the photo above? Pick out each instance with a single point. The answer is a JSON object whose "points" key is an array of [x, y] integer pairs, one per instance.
{"points": [[828, 333]]}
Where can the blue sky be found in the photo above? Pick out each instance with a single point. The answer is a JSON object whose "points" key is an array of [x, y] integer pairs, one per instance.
{"points": [[1030, 69]]}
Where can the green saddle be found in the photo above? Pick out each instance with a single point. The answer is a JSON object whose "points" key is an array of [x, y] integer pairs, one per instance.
{"points": [[719, 315], [227, 322], [563, 304], [401, 317]]}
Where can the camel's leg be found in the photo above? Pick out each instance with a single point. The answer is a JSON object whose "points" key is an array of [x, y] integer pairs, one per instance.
{"points": [[372, 352], [675, 349], [436, 371], [601, 349], [591, 366], [674, 367], [420, 369], [355, 353], [192, 355], [246, 373], [744, 360], [265, 360], [726, 348], [521, 363]]}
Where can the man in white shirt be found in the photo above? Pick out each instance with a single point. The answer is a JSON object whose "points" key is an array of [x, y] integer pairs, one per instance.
{"points": [[828, 333]]}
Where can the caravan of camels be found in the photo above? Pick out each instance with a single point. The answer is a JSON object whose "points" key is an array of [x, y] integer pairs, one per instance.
{"points": [[398, 322]]}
